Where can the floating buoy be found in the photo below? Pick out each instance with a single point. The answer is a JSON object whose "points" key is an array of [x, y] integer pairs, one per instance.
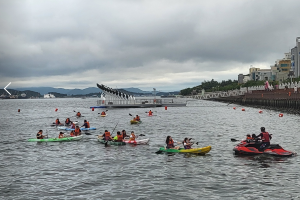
{"points": [[19, 110], [166, 108], [260, 111], [280, 115], [56, 110], [243, 109], [234, 108], [92, 109]]}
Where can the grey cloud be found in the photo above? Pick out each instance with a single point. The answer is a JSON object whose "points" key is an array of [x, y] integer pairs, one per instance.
{"points": [[50, 39]]}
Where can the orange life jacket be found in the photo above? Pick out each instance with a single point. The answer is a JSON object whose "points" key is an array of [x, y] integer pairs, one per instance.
{"points": [[134, 119], [138, 118], [88, 124], [78, 114], [72, 134], [150, 112], [107, 134], [77, 132], [120, 137], [249, 138], [132, 138]]}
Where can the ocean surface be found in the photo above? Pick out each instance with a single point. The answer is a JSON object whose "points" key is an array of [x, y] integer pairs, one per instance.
{"points": [[87, 169]]}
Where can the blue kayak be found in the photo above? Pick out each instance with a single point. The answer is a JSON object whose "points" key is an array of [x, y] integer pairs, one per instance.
{"points": [[71, 129]]}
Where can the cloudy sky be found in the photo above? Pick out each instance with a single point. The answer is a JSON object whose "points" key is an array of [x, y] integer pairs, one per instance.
{"points": [[169, 45]]}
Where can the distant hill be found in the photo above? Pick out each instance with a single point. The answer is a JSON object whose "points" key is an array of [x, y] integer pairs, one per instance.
{"points": [[47, 90], [61, 92]]}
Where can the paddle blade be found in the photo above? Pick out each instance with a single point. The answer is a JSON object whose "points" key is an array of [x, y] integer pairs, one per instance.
{"points": [[87, 133], [106, 144], [130, 114], [233, 140], [159, 152]]}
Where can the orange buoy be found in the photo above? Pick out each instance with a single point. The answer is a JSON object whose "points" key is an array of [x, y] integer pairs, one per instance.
{"points": [[56, 110], [280, 115], [92, 109], [234, 108], [19, 110], [166, 108], [243, 109], [260, 111]]}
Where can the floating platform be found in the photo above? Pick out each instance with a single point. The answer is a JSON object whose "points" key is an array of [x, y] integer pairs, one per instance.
{"points": [[138, 103]]}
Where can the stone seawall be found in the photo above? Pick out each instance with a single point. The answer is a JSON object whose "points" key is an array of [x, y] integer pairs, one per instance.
{"points": [[285, 100]]}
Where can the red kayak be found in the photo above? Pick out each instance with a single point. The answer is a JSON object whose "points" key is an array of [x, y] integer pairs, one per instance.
{"points": [[252, 148]]}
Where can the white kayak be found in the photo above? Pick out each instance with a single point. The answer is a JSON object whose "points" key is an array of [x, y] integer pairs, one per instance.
{"points": [[141, 141]]}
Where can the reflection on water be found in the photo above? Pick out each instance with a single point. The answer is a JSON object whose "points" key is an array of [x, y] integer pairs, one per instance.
{"points": [[87, 169]]}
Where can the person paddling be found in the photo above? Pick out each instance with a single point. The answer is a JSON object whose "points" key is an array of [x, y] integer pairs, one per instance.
{"points": [[57, 122], [106, 135], [103, 113], [124, 134], [265, 137], [61, 135], [78, 114], [150, 112], [119, 137], [187, 143], [72, 125], [137, 118], [68, 121], [77, 131], [40, 135], [86, 124], [132, 136], [170, 143]]}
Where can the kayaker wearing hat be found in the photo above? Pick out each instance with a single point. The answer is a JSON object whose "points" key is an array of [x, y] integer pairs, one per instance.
{"points": [[265, 137]]}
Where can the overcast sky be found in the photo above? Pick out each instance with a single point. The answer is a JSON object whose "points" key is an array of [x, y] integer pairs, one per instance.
{"points": [[168, 45]]}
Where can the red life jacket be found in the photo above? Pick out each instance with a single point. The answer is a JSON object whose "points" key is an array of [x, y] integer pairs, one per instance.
{"points": [[103, 113], [57, 121], [265, 137], [78, 114]]}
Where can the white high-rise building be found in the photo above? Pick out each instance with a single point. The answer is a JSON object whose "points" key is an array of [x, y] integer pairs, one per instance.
{"points": [[295, 58]]}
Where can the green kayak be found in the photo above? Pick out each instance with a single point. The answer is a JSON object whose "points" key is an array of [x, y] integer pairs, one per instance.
{"points": [[65, 139], [111, 142]]}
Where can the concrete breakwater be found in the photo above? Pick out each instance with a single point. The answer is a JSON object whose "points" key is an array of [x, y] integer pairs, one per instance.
{"points": [[285, 100]]}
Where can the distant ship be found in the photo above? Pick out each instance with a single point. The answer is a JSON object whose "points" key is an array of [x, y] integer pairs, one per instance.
{"points": [[48, 96]]}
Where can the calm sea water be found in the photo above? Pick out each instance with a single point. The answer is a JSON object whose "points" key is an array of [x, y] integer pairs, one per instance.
{"points": [[88, 170]]}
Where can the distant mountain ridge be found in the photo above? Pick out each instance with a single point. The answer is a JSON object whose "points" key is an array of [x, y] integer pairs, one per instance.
{"points": [[69, 92]]}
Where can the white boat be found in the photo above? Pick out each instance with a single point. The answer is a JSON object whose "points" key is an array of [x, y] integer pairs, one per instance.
{"points": [[48, 96]]}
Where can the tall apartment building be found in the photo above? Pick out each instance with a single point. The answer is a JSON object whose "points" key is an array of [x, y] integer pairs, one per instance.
{"points": [[295, 58]]}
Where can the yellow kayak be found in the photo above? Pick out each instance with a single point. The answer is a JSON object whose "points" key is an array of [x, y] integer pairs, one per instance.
{"points": [[201, 151], [135, 122]]}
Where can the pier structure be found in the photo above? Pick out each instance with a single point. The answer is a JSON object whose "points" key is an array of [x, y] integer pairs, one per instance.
{"points": [[114, 98]]}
